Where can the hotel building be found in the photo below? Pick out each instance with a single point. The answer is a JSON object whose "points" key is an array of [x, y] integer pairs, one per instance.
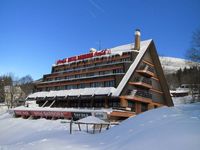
{"points": [[126, 80]]}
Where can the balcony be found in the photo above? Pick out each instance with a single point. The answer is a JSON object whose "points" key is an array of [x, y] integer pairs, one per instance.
{"points": [[140, 96], [142, 82], [144, 94], [146, 70]]}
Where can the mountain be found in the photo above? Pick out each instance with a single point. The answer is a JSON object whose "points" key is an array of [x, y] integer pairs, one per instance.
{"points": [[171, 64]]}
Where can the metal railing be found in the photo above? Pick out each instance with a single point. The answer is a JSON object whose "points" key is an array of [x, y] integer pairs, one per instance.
{"points": [[143, 79], [144, 94], [147, 68]]}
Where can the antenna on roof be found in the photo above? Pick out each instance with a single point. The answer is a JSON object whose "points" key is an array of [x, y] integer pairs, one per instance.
{"points": [[99, 44]]}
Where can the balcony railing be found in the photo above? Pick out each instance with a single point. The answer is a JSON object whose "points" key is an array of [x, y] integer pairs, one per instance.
{"points": [[143, 80], [146, 68], [144, 94], [150, 69]]}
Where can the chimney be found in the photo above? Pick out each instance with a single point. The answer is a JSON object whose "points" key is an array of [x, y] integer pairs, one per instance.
{"points": [[137, 39]]}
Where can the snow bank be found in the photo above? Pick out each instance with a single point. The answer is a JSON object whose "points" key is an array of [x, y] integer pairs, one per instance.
{"points": [[184, 100], [175, 128], [160, 129], [3, 109], [91, 119]]}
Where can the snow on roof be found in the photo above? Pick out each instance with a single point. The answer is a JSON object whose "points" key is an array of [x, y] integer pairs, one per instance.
{"points": [[114, 51], [91, 119], [129, 47], [75, 92], [143, 48]]}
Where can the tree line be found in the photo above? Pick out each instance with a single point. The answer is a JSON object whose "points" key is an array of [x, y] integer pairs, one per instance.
{"points": [[184, 76]]}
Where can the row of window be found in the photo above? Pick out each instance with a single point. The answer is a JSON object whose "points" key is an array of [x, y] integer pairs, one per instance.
{"points": [[99, 103], [83, 85], [92, 65], [91, 68], [96, 103], [78, 76]]}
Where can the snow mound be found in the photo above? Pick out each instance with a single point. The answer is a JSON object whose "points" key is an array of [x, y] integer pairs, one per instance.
{"points": [[91, 119], [174, 128]]}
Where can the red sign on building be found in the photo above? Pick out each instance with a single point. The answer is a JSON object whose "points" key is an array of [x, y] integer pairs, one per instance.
{"points": [[83, 56]]}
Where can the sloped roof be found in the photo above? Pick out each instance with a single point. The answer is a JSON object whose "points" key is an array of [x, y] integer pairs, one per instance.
{"points": [[141, 52], [129, 47]]}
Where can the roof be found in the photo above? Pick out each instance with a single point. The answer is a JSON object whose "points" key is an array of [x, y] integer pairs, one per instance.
{"points": [[103, 90], [143, 47], [75, 92], [129, 47]]}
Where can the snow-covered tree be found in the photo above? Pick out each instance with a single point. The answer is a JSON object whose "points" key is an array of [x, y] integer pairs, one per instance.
{"points": [[194, 52]]}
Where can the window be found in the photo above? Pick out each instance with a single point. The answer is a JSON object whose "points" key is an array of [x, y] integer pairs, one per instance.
{"points": [[81, 86], [129, 92], [90, 74], [57, 88], [68, 87], [131, 105], [144, 107], [77, 76], [109, 83], [97, 84], [57, 78], [47, 89], [99, 103], [118, 70], [114, 103], [125, 59], [92, 85], [101, 73]]}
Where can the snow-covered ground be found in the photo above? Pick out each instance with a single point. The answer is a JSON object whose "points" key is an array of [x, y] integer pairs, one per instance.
{"points": [[3, 108], [175, 128], [185, 100]]}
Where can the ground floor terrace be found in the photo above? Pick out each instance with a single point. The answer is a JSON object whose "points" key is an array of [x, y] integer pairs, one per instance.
{"points": [[135, 104], [76, 107]]}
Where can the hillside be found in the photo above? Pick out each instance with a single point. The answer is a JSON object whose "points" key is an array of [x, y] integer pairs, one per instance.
{"points": [[165, 128], [171, 64]]}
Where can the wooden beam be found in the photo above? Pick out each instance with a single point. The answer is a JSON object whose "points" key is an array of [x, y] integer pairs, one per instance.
{"points": [[147, 62]]}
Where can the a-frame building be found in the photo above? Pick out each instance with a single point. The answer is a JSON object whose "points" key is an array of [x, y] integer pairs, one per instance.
{"points": [[122, 81]]}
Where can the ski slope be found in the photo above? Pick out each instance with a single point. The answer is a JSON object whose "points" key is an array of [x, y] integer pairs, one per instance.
{"points": [[171, 64]]}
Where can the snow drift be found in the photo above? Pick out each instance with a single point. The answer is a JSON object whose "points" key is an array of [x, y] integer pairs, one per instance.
{"points": [[160, 129]]}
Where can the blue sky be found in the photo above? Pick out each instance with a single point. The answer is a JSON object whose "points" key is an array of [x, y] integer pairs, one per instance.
{"points": [[35, 33]]}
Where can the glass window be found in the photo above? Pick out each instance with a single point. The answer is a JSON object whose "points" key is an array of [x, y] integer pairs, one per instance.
{"points": [[109, 83], [144, 107]]}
